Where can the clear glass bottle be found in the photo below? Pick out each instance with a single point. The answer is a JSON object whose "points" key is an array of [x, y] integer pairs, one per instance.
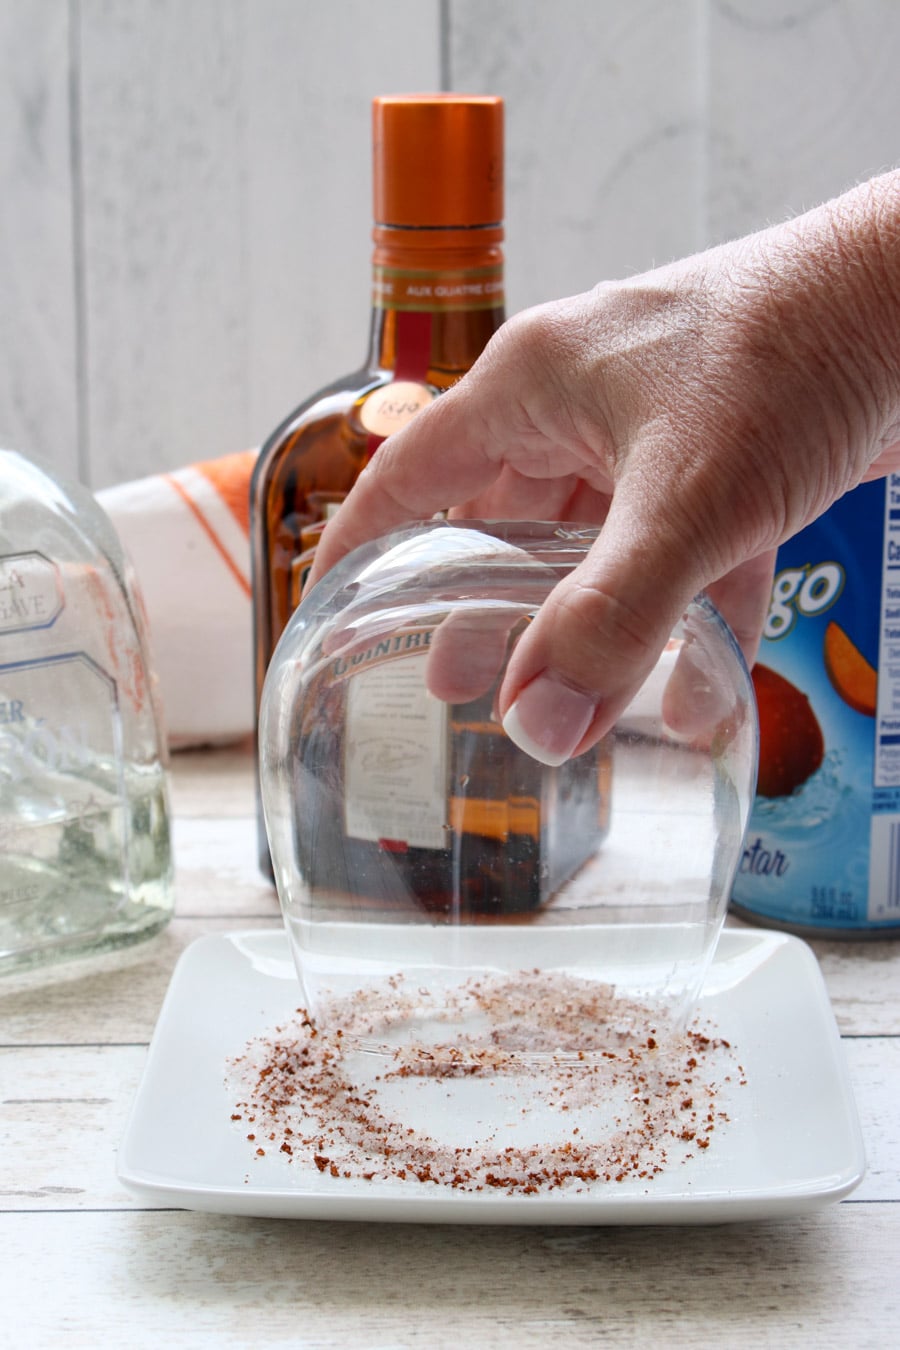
{"points": [[85, 857], [437, 298]]}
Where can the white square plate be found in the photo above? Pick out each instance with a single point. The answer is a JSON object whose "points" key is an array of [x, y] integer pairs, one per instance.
{"points": [[792, 1144]]}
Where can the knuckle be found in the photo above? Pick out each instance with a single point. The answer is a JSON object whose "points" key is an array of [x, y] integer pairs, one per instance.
{"points": [[603, 617]]}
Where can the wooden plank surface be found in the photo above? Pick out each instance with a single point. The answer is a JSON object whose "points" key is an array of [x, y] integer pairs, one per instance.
{"points": [[227, 211], [803, 103], [87, 1264], [162, 1278], [99, 1000], [184, 222], [605, 134], [39, 335], [184, 231]]}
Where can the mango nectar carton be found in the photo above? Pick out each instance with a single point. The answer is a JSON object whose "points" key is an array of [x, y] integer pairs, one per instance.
{"points": [[822, 851]]}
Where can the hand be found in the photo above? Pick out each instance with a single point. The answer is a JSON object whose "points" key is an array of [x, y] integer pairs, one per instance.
{"points": [[704, 412]]}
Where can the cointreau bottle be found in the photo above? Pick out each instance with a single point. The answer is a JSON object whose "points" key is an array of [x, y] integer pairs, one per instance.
{"points": [[437, 297]]}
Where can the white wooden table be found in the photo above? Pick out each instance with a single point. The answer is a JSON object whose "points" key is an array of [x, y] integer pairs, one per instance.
{"points": [[82, 1264]]}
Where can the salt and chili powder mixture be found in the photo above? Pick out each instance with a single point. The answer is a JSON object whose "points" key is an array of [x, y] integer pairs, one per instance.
{"points": [[553, 1084]]}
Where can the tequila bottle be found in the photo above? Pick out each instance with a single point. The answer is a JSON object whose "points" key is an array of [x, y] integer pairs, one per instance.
{"points": [[85, 858]]}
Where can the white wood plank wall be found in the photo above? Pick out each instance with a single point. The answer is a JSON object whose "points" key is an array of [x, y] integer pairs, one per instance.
{"points": [[184, 184]]}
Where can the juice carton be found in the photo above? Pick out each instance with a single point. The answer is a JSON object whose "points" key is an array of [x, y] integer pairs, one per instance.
{"points": [[822, 850]]}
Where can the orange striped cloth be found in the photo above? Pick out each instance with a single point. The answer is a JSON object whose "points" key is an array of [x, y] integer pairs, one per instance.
{"points": [[187, 534]]}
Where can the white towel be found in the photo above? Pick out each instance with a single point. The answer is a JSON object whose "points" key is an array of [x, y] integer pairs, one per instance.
{"points": [[187, 534]]}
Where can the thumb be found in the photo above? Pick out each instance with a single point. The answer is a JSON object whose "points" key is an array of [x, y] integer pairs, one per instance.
{"points": [[598, 635]]}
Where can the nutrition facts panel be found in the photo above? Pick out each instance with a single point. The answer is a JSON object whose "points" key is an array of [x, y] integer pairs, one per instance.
{"points": [[887, 743], [884, 846]]}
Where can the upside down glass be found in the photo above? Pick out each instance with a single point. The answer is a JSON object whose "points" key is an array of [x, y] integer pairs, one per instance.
{"points": [[420, 856]]}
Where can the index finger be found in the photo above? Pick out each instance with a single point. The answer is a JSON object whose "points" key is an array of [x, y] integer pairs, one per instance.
{"points": [[432, 464]]}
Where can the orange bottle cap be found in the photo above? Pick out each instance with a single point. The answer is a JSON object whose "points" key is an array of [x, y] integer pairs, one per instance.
{"points": [[438, 159]]}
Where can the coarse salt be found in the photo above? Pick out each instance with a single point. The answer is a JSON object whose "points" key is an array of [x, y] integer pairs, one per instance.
{"points": [[555, 1084]]}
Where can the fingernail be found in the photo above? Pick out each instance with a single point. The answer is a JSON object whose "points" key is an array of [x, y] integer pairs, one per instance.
{"points": [[548, 719]]}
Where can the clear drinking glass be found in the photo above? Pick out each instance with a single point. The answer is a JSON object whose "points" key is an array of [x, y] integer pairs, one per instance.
{"points": [[421, 857], [85, 857]]}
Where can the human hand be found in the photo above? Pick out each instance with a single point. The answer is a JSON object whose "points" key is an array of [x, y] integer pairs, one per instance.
{"points": [[704, 412]]}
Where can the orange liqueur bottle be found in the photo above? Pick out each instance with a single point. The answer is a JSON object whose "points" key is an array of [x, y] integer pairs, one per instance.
{"points": [[437, 296]]}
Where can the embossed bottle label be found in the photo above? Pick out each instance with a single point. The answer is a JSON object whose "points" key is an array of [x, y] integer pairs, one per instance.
{"points": [[58, 716], [31, 592], [393, 405], [59, 775]]}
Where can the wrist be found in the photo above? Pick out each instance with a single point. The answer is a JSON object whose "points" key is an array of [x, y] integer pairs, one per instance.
{"points": [[833, 282]]}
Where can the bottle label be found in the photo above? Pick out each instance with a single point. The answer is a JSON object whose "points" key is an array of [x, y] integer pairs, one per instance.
{"points": [[822, 850], [309, 542], [31, 592], [395, 756], [412, 290], [58, 715], [60, 779], [389, 408]]}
